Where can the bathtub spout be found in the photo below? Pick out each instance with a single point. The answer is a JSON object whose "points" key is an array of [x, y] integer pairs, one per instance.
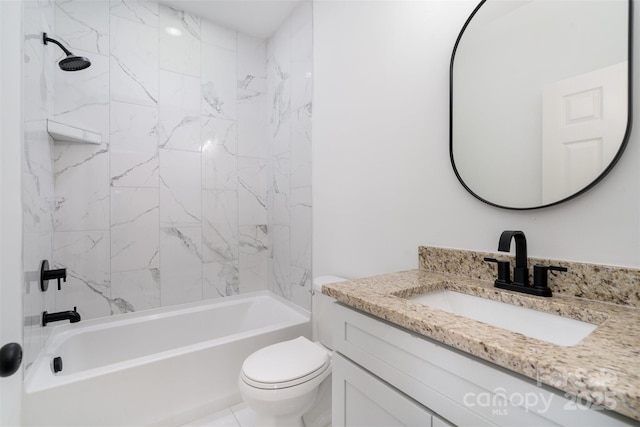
{"points": [[71, 316]]}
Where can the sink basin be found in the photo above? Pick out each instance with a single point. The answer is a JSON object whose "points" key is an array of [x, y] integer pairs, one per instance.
{"points": [[532, 323]]}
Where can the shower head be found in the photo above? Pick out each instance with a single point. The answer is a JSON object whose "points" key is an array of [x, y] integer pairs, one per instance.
{"points": [[71, 62], [74, 63]]}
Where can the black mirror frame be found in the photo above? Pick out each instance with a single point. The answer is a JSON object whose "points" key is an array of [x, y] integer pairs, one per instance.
{"points": [[599, 178]]}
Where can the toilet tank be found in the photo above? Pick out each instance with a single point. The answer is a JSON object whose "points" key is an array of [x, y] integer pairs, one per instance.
{"points": [[321, 310]]}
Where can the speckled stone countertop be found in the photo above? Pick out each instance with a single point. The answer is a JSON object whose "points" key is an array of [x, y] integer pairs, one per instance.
{"points": [[619, 285], [603, 368]]}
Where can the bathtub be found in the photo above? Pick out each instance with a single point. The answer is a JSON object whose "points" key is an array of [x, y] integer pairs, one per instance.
{"points": [[159, 367]]}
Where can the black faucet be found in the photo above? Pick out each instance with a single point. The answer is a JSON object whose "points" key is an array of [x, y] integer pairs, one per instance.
{"points": [[71, 316], [521, 271]]}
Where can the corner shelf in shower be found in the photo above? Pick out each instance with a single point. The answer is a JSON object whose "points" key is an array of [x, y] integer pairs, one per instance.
{"points": [[61, 132]]}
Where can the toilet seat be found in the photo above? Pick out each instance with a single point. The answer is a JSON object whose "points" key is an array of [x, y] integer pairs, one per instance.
{"points": [[285, 364]]}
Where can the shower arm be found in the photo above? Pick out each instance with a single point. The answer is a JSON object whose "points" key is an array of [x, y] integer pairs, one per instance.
{"points": [[46, 39]]}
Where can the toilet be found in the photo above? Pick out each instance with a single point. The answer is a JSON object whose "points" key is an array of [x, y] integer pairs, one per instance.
{"points": [[287, 382]]}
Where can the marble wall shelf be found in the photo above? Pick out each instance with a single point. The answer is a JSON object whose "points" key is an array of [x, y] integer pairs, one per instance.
{"points": [[66, 133]]}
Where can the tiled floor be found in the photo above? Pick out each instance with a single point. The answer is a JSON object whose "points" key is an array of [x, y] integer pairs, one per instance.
{"points": [[236, 416]]}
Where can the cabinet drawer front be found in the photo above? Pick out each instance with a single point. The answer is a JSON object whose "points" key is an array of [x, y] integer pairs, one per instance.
{"points": [[361, 399]]}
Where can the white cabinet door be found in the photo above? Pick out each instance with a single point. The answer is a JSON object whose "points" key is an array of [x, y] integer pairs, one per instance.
{"points": [[362, 400]]}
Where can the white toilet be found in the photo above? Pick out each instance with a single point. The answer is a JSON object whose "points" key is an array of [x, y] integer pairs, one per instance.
{"points": [[288, 381]]}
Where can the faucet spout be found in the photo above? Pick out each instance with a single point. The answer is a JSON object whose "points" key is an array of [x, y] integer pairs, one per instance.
{"points": [[71, 316], [504, 245], [520, 272]]}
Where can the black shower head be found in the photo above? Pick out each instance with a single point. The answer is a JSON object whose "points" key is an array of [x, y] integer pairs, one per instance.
{"points": [[71, 62], [74, 63]]}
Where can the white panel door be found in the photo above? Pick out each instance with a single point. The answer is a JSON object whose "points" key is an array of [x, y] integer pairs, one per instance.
{"points": [[584, 119], [10, 201]]}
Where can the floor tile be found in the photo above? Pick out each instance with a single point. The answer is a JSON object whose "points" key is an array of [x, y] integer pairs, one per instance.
{"points": [[246, 416], [224, 418]]}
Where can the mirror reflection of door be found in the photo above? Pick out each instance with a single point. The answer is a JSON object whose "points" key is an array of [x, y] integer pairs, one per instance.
{"points": [[581, 129]]}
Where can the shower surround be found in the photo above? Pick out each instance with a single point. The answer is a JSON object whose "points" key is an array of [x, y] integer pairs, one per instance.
{"points": [[201, 187]]}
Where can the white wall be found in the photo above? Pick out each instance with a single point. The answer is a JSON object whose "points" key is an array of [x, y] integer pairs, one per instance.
{"points": [[382, 179]]}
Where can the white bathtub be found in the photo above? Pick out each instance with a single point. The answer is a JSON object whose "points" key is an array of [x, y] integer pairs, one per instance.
{"points": [[159, 367]]}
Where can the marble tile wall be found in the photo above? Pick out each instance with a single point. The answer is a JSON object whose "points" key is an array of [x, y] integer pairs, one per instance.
{"points": [[156, 215], [289, 68], [175, 204], [37, 169]]}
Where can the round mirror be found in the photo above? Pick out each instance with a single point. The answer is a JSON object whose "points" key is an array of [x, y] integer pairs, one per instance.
{"points": [[540, 98]]}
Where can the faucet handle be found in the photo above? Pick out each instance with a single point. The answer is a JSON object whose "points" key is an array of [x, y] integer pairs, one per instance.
{"points": [[504, 269], [540, 275], [62, 275]]}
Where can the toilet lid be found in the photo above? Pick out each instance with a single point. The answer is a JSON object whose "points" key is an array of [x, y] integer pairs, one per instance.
{"points": [[285, 364]]}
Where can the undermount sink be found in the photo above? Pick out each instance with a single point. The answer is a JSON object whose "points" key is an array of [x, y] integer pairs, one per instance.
{"points": [[532, 323]]}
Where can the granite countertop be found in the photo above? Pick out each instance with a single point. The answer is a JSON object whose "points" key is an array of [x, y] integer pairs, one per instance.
{"points": [[603, 368]]}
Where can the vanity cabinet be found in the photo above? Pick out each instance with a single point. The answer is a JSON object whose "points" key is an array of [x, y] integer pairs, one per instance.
{"points": [[384, 375]]}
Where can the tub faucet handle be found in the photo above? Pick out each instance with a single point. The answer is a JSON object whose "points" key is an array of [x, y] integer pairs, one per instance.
{"points": [[46, 275]]}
